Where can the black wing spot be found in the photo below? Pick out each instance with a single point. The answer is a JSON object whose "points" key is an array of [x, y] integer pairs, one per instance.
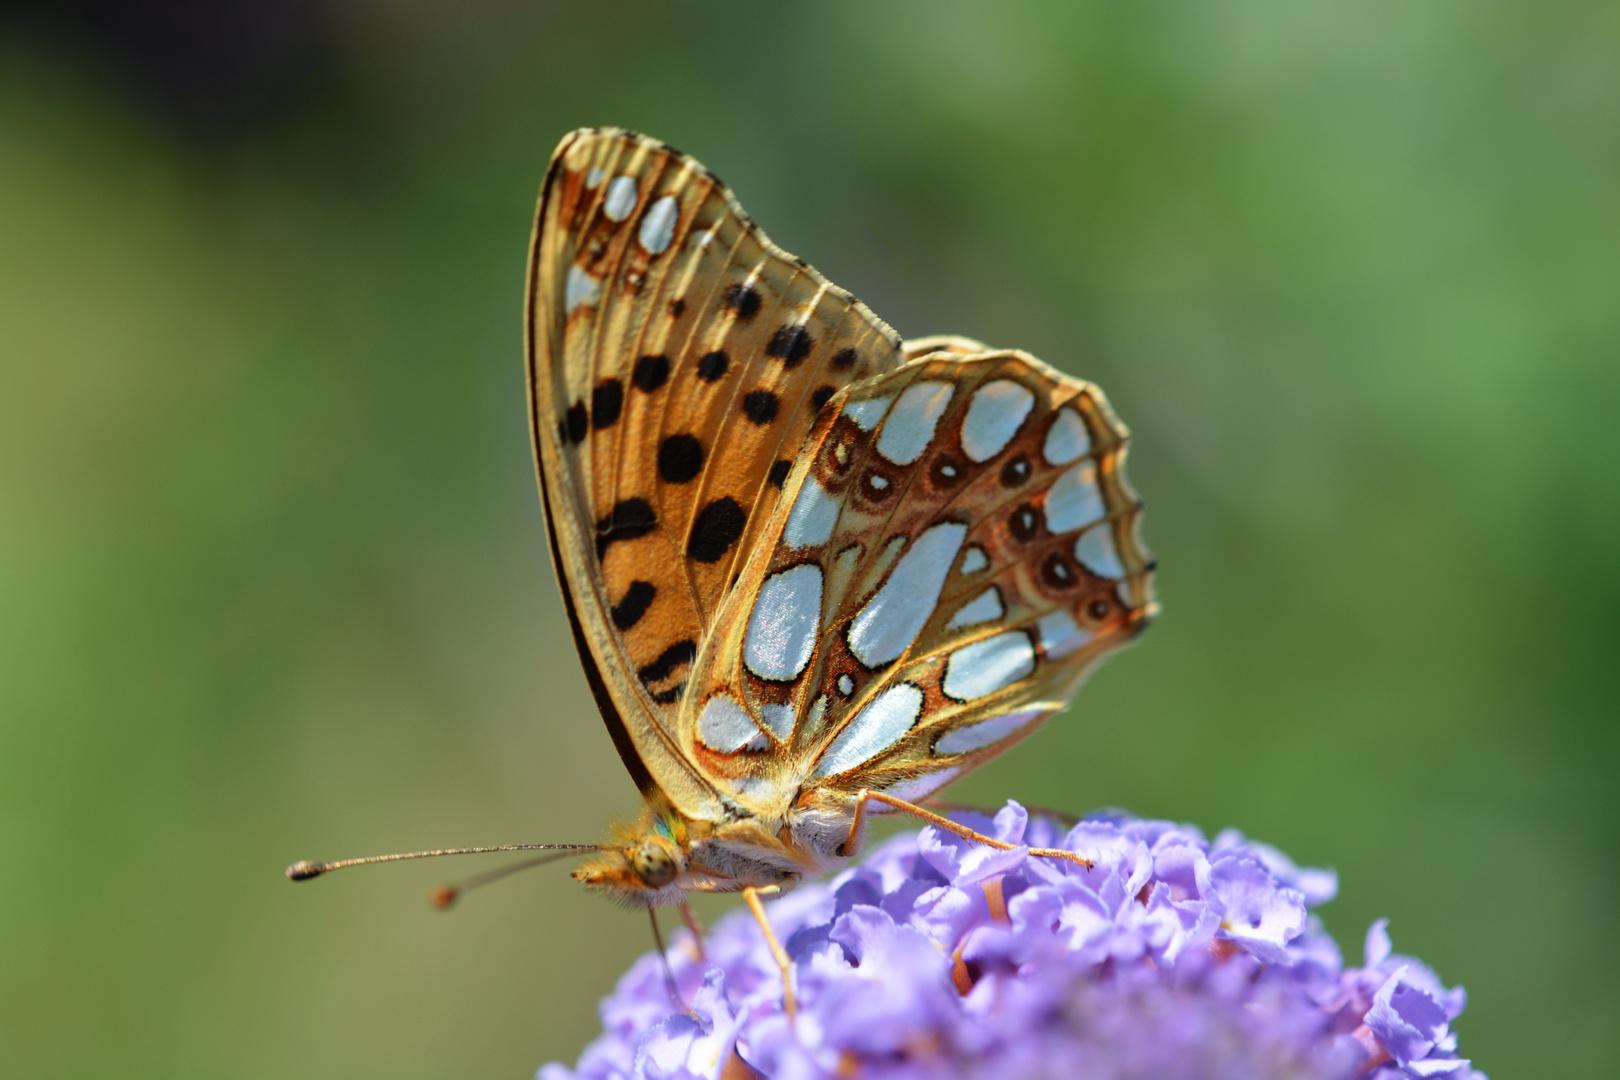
{"points": [[677, 308], [637, 598], [1057, 572], [680, 458], [779, 472], [1024, 523], [760, 406], [744, 300], [717, 527], [682, 652], [670, 696], [651, 372], [630, 519], [820, 398], [607, 401], [790, 344], [578, 421], [947, 471], [713, 365], [1015, 472], [843, 359]]}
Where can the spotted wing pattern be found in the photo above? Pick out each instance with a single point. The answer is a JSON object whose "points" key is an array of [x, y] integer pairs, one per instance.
{"points": [[677, 360], [956, 549]]}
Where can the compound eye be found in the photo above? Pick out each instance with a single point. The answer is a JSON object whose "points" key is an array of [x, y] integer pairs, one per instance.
{"points": [[653, 863]]}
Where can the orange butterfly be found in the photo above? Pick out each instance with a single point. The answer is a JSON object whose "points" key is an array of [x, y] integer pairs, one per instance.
{"points": [[809, 567]]}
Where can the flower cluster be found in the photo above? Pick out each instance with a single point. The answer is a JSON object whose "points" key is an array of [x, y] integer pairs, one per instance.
{"points": [[1171, 957]]}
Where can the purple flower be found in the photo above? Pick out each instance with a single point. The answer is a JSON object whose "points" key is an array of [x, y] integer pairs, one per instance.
{"points": [[1171, 957]]}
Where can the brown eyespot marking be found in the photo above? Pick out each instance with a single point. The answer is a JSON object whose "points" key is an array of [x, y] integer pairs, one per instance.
{"points": [[1057, 573], [1015, 472], [1024, 523], [877, 486], [947, 471]]}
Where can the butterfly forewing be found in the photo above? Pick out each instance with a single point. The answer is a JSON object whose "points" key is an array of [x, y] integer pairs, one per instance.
{"points": [[957, 548], [677, 361]]}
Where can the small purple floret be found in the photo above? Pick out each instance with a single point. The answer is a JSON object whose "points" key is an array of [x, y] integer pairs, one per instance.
{"points": [[1171, 957]]}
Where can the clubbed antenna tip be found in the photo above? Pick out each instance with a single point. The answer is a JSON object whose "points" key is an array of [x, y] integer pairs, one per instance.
{"points": [[303, 870]]}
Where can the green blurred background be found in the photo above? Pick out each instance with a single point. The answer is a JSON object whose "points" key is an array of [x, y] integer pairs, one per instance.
{"points": [[273, 582]]}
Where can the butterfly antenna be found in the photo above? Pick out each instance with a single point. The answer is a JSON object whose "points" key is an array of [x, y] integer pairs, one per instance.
{"points": [[304, 870], [445, 895]]}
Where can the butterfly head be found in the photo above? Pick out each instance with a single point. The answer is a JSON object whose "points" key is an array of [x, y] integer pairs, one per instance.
{"points": [[636, 874], [644, 867]]}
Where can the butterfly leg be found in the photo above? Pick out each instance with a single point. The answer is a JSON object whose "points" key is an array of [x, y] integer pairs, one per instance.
{"points": [[947, 805], [752, 895], [689, 917], [858, 820], [663, 957]]}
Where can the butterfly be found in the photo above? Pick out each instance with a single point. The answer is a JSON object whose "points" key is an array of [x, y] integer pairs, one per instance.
{"points": [[812, 570]]}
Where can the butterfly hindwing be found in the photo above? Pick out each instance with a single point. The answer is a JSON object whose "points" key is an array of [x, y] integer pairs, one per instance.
{"points": [[956, 550], [677, 361]]}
